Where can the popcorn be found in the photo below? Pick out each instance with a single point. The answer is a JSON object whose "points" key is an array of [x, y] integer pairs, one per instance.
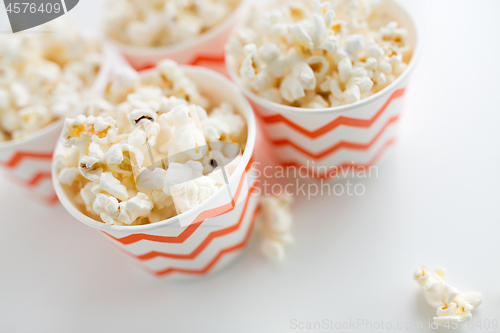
{"points": [[291, 51], [111, 185], [164, 22], [68, 176], [140, 154], [43, 76], [275, 220], [130, 210], [123, 83], [190, 186], [82, 129], [451, 305]]}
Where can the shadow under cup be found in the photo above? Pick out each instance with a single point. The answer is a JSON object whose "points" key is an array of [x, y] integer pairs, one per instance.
{"points": [[327, 142]]}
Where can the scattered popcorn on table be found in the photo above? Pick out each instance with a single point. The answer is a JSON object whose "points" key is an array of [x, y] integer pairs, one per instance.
{"points": [[162, 114], [312, 54], [275, 221], [155, 23], [452, 306], [43, 76]]}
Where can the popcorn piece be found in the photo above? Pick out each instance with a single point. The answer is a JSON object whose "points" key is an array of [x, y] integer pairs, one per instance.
{"points": [[123, 83], [68, 175], [103, 130], [354, 44], [81, 129], [130, 210], [124, 158], [451, 305], [138, 117], [192, 193], [275, 220], [107, 207], [297, 47], [291, 89], [187, 134], [111, 185]]}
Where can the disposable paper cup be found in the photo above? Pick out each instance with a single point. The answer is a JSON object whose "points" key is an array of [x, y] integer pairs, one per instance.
{"points": [[212, 240], [324, 142], [27, 161], [206, 50]]}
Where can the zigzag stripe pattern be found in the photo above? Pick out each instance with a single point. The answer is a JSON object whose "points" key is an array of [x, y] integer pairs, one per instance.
{"points": [[341, 145], [213, 235], [20, 156], [134, 238], [346, 121], [344, 166], [36, 179], [223, 252]]}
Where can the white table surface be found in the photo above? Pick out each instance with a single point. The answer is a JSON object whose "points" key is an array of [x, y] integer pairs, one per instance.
{"points": [[434, 202]]}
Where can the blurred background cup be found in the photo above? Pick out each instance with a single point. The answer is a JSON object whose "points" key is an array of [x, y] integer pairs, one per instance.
{"points": [[324, 142], [206, 50], [27, 161], [207, 237]]}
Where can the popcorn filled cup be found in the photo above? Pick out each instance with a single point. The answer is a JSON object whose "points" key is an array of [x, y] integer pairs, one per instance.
{"points": [[25, 156], [336, 105], [144, 42], [206, 237]]}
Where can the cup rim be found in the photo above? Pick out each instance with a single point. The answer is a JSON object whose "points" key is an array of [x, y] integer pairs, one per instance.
{"points": [[176, 47], [133, 229], [344, 108], [101, 77]]}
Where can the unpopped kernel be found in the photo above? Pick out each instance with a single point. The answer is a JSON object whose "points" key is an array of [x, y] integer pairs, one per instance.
{"points": [[452, 306], [160, 113], [164, 22], [312, 54], [43, 76]]}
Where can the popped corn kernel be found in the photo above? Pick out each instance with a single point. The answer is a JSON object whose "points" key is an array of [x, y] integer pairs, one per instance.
{"points": [[452, 306]]}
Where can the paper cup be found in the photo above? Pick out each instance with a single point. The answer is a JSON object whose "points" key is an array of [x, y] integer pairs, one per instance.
{"points": [[212, 239], [327, 141], [206, 50], [27, 161]]}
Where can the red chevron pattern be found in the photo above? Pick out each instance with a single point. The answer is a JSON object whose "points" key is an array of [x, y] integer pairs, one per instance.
{"points": [[344, 166], [19, 156], [223, 252], [204, 244], [346, 121], [338, 146], [33, 182], [134, 238]]}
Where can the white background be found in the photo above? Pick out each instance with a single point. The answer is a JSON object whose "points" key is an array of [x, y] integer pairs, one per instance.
{"points": [[435, 202]]}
